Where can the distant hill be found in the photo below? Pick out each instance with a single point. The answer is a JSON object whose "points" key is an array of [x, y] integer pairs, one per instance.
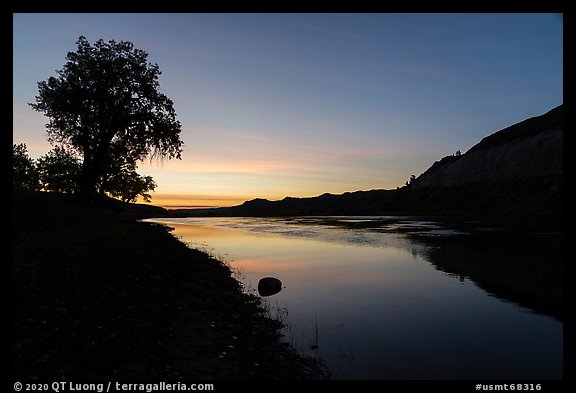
{"points": [[515, 171]]}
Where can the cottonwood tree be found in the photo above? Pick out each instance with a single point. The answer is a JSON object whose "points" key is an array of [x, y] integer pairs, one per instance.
{"points": [[105, 103]]}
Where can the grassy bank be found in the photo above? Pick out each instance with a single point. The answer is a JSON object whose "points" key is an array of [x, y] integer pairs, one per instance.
{"points": [[98, 295]]}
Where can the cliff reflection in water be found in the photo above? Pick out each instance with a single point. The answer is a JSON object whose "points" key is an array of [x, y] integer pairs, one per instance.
{"points": [[379, 298], [518, 260], [522, 266]]}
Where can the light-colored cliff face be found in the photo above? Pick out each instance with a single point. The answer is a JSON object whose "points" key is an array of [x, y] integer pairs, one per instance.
{"points": [[530, 149], [516, 171]]}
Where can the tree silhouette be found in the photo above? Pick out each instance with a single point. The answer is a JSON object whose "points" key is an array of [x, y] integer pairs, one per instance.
{"points": [[25, 174], [106, 105], [128, 185], [59, 171]]}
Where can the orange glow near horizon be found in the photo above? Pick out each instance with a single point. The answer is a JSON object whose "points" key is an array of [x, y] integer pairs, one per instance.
{"points": [[176, 201], [253, 255], [253, 165]]}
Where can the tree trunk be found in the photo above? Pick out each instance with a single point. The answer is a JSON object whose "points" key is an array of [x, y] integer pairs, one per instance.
{"points": [[91, 170], [87, 183]]}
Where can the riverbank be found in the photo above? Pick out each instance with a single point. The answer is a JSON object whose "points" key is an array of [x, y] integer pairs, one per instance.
{"points": [[98, 295]]}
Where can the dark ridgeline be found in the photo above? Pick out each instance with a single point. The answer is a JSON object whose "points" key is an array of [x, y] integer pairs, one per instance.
{"points": [[516, 171], [512, 180]]}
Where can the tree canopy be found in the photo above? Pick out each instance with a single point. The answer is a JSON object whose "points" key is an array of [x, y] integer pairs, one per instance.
{"points": [[106, 105], [59, 171], [25, 174]]}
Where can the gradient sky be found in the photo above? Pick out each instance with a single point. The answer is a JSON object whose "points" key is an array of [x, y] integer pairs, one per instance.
{"points": [[276, 105]]}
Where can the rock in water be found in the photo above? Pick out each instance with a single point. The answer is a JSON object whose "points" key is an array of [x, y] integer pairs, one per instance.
{"points": [[269, 286]]}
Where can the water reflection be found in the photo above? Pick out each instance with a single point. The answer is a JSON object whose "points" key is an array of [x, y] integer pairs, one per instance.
{"points": [[523, 268], [377, 297]]}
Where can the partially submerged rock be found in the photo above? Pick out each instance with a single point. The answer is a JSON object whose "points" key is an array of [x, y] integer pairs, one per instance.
{"points": [[269, 286]]}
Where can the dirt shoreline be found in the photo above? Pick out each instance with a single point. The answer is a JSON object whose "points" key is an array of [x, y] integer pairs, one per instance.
{"points": [[98, 295]]}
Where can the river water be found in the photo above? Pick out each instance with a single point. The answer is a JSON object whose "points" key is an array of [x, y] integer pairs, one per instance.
{"points": [[402, 298]]}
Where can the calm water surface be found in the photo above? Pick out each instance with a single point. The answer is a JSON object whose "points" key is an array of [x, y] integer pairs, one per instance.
{"points": [[390, 298]]}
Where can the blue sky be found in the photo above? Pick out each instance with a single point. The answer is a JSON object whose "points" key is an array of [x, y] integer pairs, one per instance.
{"points": [[276, 105]]}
